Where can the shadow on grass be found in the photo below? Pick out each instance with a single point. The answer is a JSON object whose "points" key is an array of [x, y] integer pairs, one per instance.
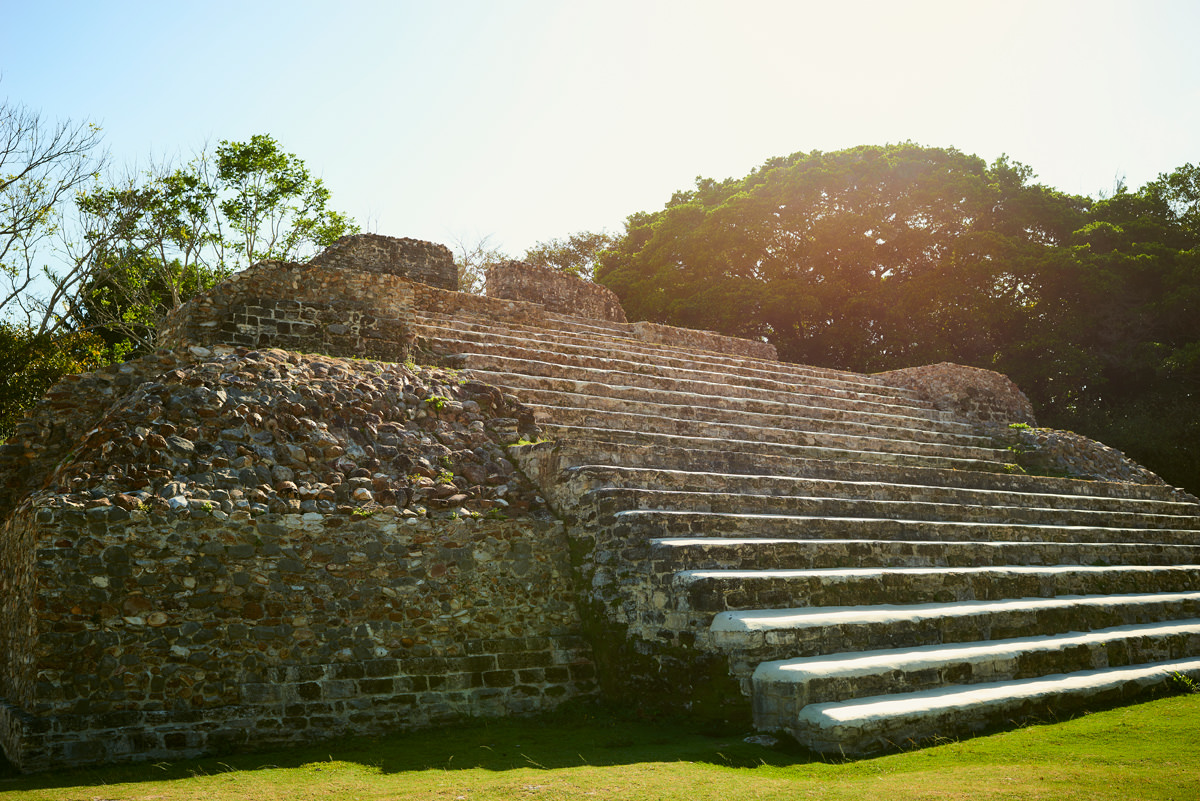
{"points": [[577, 734], [590, 734]]}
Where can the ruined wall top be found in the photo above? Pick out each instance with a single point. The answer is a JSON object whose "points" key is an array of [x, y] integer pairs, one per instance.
{"points": [[414, 259], [559, 292], [974, 395]]}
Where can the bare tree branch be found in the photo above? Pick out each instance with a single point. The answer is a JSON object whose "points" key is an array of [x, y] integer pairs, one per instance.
{"points": [[42, 166]]}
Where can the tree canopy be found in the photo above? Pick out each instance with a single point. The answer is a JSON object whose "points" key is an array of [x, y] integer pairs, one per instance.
{"points": [[153, 240], [875, 258], [89, 264]]}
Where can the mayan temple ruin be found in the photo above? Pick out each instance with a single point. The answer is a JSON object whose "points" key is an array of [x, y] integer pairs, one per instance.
{"points": [[344, 497]]}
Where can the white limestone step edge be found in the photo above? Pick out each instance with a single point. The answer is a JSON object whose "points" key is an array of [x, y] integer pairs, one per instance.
{"points": [[868, 725], [782, 683], [765, 621], [891, 508], [664, 523], [731, 589], [836, 574], [924, 553]]}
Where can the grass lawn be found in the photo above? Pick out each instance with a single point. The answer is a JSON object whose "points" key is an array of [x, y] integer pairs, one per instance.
{"points": [[1147, 751]]}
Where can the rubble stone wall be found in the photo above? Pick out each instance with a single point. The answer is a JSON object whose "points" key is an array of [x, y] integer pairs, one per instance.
{"points": [[557, 291], [210, 549], [414, 259], [977, 396], [1053, 452], [166, 636]]}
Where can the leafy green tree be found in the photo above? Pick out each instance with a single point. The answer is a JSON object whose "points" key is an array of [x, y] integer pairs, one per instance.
{"points": [[1134, 270], [578, 254], [154, 240], [273, 207], [860, 259], [882, 257], [126, 252], [32, 361]]}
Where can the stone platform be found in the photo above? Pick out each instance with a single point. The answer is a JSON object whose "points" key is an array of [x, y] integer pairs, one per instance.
{"points": [[853, 559]]}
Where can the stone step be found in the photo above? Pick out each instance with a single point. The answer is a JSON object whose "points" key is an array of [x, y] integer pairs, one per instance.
{"points": [[589, 340], [642, 421], [611, 499], [650, 524], [723, 425], [673, 554], [504, 369], [782, 688], [628, 340], [724, 590], [549, 322], [572, 435], [580, 448], [888, 722], [610, 366], [710, 410], [708, 398], [751, 637], [585, 478]]}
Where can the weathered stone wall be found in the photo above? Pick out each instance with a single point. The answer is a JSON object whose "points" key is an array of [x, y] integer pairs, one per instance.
{"points": [[703, 340], [311, 307], [161, 635], [1049, 451], [522, 312], [18, 628], [63, 420], [416, 260], [557, 291], [211, 548], [977, 396]]}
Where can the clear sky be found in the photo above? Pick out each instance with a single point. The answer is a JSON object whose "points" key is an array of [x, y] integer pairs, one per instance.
{"points": [[528, 119]]}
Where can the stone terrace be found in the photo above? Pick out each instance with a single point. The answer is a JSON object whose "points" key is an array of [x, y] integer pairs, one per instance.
{"points": [[853, 559]]}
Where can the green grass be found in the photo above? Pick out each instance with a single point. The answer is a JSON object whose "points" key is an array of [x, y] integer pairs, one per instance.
{"points": [[1147, 751]]}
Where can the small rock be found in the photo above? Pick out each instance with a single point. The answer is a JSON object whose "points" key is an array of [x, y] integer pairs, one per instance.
{"points": [[181, 446], [765, 740]]}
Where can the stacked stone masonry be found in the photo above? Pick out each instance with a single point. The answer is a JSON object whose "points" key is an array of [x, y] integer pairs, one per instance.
{"points": [[230, 546], [558, 292], [308, 308], [282, 629], [206, 549], [412, 259]]}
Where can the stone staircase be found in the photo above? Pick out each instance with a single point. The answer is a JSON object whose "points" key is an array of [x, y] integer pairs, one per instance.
{"points": [[864, 567]]}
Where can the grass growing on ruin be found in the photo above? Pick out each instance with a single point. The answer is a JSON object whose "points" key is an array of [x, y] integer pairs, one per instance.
{"points": [[1145, 752]]}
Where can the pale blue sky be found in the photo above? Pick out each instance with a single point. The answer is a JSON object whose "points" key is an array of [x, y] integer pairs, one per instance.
{"points": [[530, 120]]}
